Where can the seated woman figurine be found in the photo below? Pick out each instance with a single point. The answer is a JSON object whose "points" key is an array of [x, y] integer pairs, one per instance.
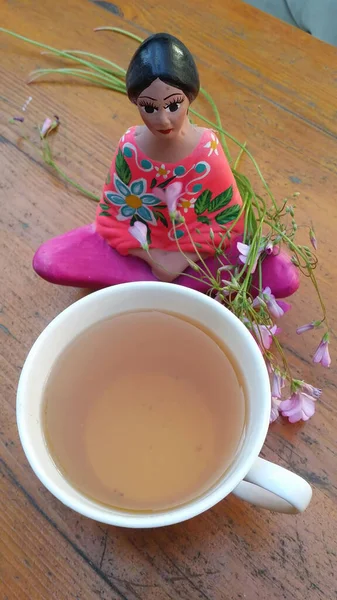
{"points": [[166, 157]]}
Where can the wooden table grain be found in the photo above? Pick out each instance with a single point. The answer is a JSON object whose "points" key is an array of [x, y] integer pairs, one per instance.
{"points": [[276, 88]]}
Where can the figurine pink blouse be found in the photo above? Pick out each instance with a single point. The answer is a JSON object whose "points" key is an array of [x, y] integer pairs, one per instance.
{"points": [[209, 197]]}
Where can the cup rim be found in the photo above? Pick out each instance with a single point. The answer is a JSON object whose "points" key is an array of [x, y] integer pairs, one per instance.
{"points": [[112, 516]]}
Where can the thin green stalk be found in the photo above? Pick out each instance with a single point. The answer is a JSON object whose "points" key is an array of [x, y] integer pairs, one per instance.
{"points": [[54, 50], [218, 122], [242, 146], [240, 155], [73, 183], [200, 258], [292, 246], [122, 31], [228, 231], [95, 56], [105, 73], [176, 275], [80, 73], [190, 262]]}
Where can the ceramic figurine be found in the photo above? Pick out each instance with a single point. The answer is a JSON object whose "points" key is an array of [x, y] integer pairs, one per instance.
{"points": [[166, 155]]}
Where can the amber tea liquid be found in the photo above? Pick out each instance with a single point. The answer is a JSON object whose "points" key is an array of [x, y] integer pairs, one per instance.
{"points": [[144, 411]]}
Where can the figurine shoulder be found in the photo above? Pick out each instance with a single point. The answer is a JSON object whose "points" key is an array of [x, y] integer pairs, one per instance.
{"points": [[128, 136]]}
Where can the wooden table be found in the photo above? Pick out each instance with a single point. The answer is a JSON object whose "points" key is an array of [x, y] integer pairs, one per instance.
{"points": [[276, 87]]}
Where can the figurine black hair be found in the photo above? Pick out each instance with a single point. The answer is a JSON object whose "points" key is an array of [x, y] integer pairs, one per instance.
{"points": [[162, 56]]}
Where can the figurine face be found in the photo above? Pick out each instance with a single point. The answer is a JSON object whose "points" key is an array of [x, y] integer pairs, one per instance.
{"points": [[163, 109]]}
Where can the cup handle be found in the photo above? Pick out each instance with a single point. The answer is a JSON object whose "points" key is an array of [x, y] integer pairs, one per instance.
{"points": [[270, 486]]}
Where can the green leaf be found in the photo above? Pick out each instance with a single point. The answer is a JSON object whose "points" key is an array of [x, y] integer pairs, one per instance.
{"points": [[104, 214], [122, 168], [108, 178], [228, 215], [204, 219], [203, 202], [221, 200], [159, 216], [153, 183], [105, 206], [165, 183]]}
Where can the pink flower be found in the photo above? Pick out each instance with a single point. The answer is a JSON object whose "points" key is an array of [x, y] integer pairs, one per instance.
{"points": [[277, 308], [311, 390], [313, 238], [244, 257], [275, 410], [322, 353], [305, 328], [277, 384], [300, 406], [48, 126], [265, 335], [171, 197], [139, 232]]}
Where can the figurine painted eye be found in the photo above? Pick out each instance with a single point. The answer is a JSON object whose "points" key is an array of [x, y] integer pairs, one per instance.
{"points": [[148, 107], [174, 105]]}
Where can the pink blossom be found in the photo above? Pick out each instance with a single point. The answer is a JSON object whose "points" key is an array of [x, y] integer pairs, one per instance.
{"points": [[274, 411], [305, 328], [311, 390], [244, 250], [300, 406], [139, 232], [171, 197], [277, 308], [47, 123], [285, 306], [277, 384], [322, 354], [48, 126], [265, 335]]}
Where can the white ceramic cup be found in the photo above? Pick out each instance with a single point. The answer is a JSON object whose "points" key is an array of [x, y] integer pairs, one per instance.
{"points": [[250, 477]]}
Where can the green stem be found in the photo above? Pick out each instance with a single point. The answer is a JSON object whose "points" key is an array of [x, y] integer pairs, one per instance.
{"points": [[242, 146], [95, 56], [218, 122], [122, 31], [190, 262], [73, 183], [54, 50], [81, 74], [240, 155], [176, 275], [200, 258]]}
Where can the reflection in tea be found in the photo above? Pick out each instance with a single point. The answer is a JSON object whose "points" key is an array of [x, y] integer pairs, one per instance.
{"points": [[144, 411]]}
